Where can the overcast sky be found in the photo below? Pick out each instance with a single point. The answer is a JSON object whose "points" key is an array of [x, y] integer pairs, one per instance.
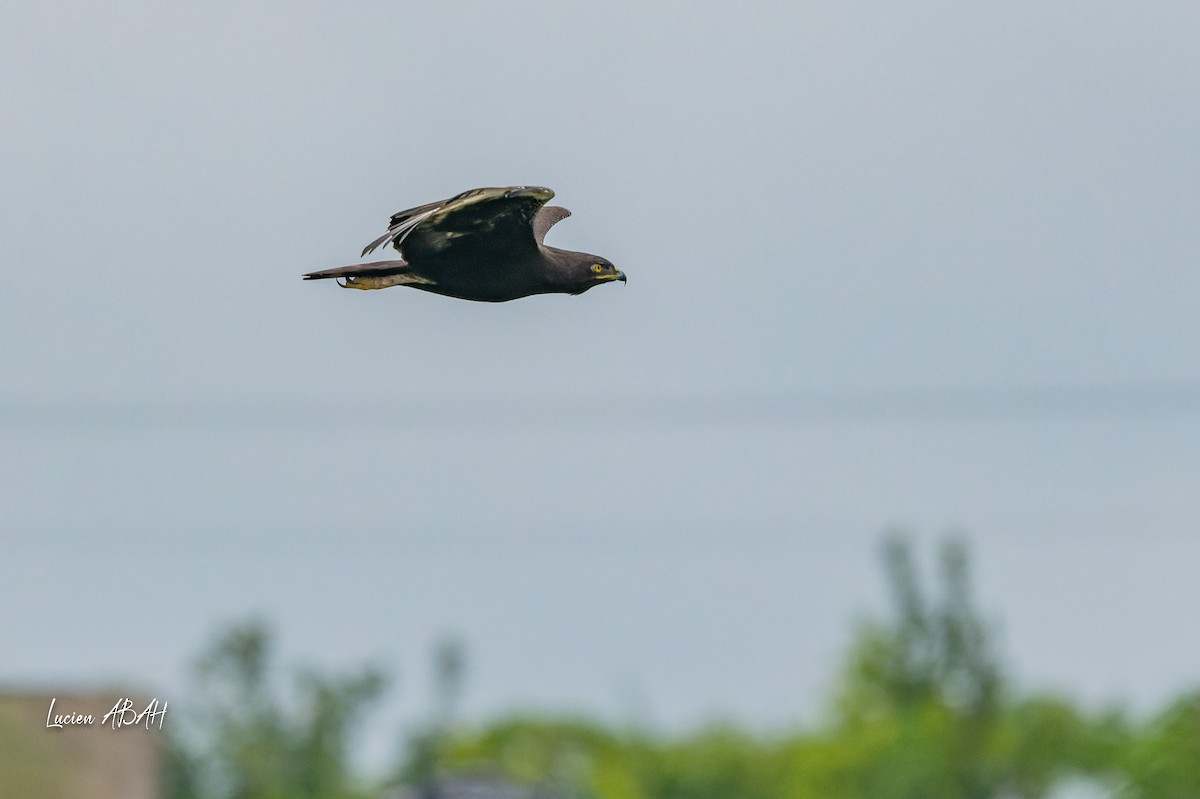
{"points": [[931, 264]]}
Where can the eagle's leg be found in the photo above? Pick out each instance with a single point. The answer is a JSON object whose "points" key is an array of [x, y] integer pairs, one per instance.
{"points": [[369, 282]]}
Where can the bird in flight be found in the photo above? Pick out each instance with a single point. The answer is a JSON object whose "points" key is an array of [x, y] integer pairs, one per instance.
{"points": [[483, 244]]}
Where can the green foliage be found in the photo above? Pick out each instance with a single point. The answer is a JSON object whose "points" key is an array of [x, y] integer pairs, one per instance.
{"points": [[922, 710], [1164, 761], [565, 754], [247, 744], [921, 697]]}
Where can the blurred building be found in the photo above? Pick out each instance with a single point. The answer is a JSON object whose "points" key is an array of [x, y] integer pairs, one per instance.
{"points": [[80, 759], [469, 787]]}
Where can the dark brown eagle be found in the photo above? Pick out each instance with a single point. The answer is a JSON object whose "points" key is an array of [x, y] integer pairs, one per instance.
{"points": [[483, 244]]}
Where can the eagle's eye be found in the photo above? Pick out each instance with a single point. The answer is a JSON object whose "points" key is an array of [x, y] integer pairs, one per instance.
{"points": [[597, 268]]}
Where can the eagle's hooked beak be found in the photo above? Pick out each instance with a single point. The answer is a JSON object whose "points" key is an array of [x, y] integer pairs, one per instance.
{"points": [[620, 276]]}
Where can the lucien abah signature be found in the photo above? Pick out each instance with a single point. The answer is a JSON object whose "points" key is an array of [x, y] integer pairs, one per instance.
{"points": [[122, 714]]}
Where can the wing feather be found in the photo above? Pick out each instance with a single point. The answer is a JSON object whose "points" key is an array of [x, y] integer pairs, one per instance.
{"points": [[480, 221], [402, 224]]}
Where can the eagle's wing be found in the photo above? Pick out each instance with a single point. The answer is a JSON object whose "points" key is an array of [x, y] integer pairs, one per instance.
{"points": [[547, 217], [480, 222]]}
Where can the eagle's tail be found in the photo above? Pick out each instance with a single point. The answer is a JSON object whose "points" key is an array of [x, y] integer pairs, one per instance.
{"points": [[376, 275]]}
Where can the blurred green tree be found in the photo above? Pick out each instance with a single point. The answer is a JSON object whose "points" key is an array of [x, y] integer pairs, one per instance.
{"points": [[926, 712], [423, 765], [920, 697], [1163, 762], [922, 710], [245, 742]]}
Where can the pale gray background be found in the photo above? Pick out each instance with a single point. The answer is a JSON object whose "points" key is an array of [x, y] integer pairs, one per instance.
{"points": [[932, 264]]}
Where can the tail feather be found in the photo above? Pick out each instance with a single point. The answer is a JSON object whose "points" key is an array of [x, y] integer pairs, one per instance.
{"points": [[374, 269]]}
